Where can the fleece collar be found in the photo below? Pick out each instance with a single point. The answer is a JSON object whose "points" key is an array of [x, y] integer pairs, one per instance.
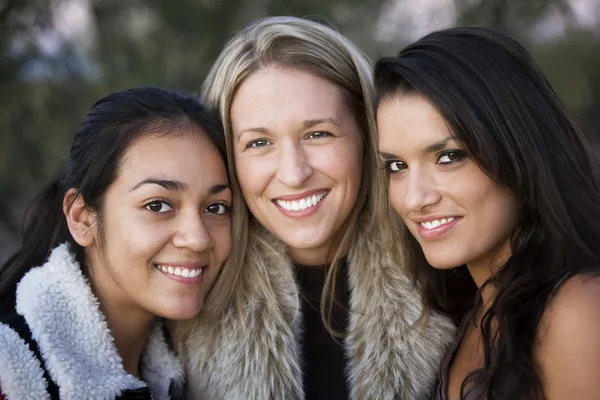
{"points": [[74, 340]]}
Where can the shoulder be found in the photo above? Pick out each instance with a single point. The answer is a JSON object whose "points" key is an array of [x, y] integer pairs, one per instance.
{"points": [[574, 304], [568, 350], [21, 375]]}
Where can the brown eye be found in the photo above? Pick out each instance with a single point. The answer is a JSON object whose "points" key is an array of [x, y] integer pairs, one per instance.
{"points": [[218, 208], [394, 166], [158, 207], [450, 157]]}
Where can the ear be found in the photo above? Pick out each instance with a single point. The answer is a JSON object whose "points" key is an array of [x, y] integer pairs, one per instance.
{"points": [[80, 219]]}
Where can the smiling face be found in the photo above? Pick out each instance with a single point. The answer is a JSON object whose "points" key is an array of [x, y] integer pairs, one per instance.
{"points": [[165, 227], [298, 154], [455, 211]]}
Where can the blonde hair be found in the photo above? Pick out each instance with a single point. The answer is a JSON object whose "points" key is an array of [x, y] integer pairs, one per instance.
{"points": [[318, 49]]}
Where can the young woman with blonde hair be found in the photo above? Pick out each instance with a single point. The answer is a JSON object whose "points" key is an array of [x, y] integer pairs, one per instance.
{"points": [[320, 253]]}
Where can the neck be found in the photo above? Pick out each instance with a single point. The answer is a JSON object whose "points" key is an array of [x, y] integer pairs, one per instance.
{"points": [[482, 270], [480, 275], [321, 255], [130, 330], [129, 323], [311, 257]]}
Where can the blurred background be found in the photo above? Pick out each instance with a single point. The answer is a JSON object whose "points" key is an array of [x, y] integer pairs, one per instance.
{"points": [[58, 56]]}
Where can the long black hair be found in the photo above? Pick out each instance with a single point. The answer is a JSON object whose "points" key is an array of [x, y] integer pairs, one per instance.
{"points": [[98, 147], [497, 103]]}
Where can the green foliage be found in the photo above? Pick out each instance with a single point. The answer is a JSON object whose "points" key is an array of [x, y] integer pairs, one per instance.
{"points": [[44, 94], [131, 43]]}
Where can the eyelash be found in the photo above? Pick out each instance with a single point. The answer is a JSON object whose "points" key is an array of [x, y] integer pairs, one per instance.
{"points": [[226, 208], [387, 166], [321, 135], [460, 154], [154, 202], [251, 145]]}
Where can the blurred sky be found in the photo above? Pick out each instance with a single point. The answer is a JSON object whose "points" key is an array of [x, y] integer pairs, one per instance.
{"points": [[409, 19], [400, 19]]}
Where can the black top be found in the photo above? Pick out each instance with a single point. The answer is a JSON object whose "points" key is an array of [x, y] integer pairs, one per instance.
{"points": [[324, 359]]}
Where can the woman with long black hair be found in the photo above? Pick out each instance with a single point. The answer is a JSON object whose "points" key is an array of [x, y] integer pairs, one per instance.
{"points": [[499, 193]]}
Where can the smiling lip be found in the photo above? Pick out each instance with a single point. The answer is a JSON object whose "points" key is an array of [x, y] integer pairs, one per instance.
{"points": [[301, 195], [435, 227], [301, 205], [177, 271]]}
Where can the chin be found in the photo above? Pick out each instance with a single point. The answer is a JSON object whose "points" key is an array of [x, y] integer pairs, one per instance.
{"points": [[182, 313], [303, 245], [442, 263]]}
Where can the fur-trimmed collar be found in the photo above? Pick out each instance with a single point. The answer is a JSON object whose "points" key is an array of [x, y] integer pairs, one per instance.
{"points": [[259, 357], [74, 341]]}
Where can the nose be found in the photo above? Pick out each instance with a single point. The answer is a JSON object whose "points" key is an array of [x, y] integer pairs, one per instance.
{"points": [[192, 233], [293, 168], [421, 191]]}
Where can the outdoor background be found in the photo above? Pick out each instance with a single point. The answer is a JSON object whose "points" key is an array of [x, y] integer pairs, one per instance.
{"points": [[58, 56]]}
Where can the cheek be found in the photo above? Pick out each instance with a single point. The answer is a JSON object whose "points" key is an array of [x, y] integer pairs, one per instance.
{"points": [[131, 236], [397, 193], [146, 242], [503, 210], [254, 173], [222, 240], [341, 161], [493, 206]]}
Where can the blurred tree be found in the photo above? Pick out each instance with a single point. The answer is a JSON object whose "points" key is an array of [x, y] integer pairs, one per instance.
{"points": [[51, 73], [509, 16], [58, 56], [568, 53]]}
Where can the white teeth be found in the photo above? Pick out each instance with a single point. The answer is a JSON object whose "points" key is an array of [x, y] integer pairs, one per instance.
{"points": [[436, 222], [302, 204], [182, 272]]}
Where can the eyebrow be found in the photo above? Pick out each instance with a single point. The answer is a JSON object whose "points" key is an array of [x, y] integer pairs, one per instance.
{"points": [[258, 130], [432, 148], [387, 156], [178, 186], [309, 123], [172, 185], [218, 188]]}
